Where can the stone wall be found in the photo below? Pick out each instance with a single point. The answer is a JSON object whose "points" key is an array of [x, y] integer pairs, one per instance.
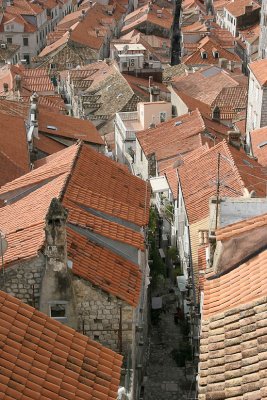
{"points": [[99, 315], [24, 280]]}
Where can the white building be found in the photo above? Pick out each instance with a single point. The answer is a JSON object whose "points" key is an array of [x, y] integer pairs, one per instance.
{"points": [[263, 30], [257, 97], [127, 124], [27, 24], [132, 57]]}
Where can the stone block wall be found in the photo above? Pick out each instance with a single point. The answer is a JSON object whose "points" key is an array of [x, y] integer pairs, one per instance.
{"points": [[24, 280], [99, 315]]}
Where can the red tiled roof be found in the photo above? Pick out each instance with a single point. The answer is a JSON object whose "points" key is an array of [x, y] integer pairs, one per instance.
{"points": [[219, 293], [112, 230], [170, 138], [237, 172], [241, 227], [47, 145], [233, 353], [117, 193], [58, 165], [80, 175], [238, 7], [14, 155], [204, 85], [209, 46], [41, 358], [259, 142], [117, 276], [145, 14], [259, 70], [68, 127]]}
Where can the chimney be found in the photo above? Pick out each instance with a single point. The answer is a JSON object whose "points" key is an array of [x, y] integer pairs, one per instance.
{"points": [[17, 83], [216, 114], [154, 93], [5, 85], [234, 138], [34, 107], [249, 8], [231, 66], [222, 63]]}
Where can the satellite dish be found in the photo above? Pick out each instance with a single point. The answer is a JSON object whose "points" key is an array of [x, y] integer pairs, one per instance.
{"points": [[3, 244]]}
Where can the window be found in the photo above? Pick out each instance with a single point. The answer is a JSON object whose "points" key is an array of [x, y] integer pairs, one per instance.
{"points": [[58, 310], [204, 55], [25, 41], [27, 58], [141, 154], [216, 54], [9, 40]]}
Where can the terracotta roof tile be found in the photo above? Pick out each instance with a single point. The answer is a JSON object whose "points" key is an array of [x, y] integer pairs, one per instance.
{"points": [[46, 145], [117, 192], [258, 139], [72, 176], [112, 230], [241, 227], [68, 127], [61, 164], [39, 378], [14, 156], [147, 14], [172, 137], [235, 172], [209, 46], [238, 7], [204, 85], [259, 69], [119, 277]]}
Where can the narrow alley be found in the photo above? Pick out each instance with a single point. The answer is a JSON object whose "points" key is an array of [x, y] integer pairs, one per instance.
{"points": [[165, 379]]}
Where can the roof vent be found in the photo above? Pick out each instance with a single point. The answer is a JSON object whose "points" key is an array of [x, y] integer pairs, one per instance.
{"points": [[177, 123], [262, 145], [53, 128]]}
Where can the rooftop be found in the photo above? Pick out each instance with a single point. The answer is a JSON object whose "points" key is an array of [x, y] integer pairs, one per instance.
{"points": [[178, 135], [235, 173], [259, 70], [41, 358], [238, 7], [213, 49], [14, 155], [54, 124], [113, 207]]}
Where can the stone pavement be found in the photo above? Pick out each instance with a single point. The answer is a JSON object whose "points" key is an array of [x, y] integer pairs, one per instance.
{"points": [[165, 380]]}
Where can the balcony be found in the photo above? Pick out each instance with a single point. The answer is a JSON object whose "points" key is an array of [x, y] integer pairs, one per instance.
{"points": [[128, 124]]}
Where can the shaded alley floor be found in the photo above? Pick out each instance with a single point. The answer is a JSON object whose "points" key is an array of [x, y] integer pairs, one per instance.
{"points": [[165, 380]]}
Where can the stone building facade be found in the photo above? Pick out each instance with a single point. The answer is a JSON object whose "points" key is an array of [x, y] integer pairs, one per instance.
{"points": [[48, 283]]}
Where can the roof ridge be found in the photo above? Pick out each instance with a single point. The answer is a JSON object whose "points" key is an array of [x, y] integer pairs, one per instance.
{"points": [[227, 149], [79, 145]]}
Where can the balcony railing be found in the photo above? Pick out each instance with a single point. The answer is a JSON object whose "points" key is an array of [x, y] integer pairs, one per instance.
{"points": [[126, 133]]}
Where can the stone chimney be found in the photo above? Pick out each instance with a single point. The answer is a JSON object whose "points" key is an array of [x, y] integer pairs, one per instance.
{"points": [[57, 296], [216, 114], [55, 234], [234, 138], [154, 93]]}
